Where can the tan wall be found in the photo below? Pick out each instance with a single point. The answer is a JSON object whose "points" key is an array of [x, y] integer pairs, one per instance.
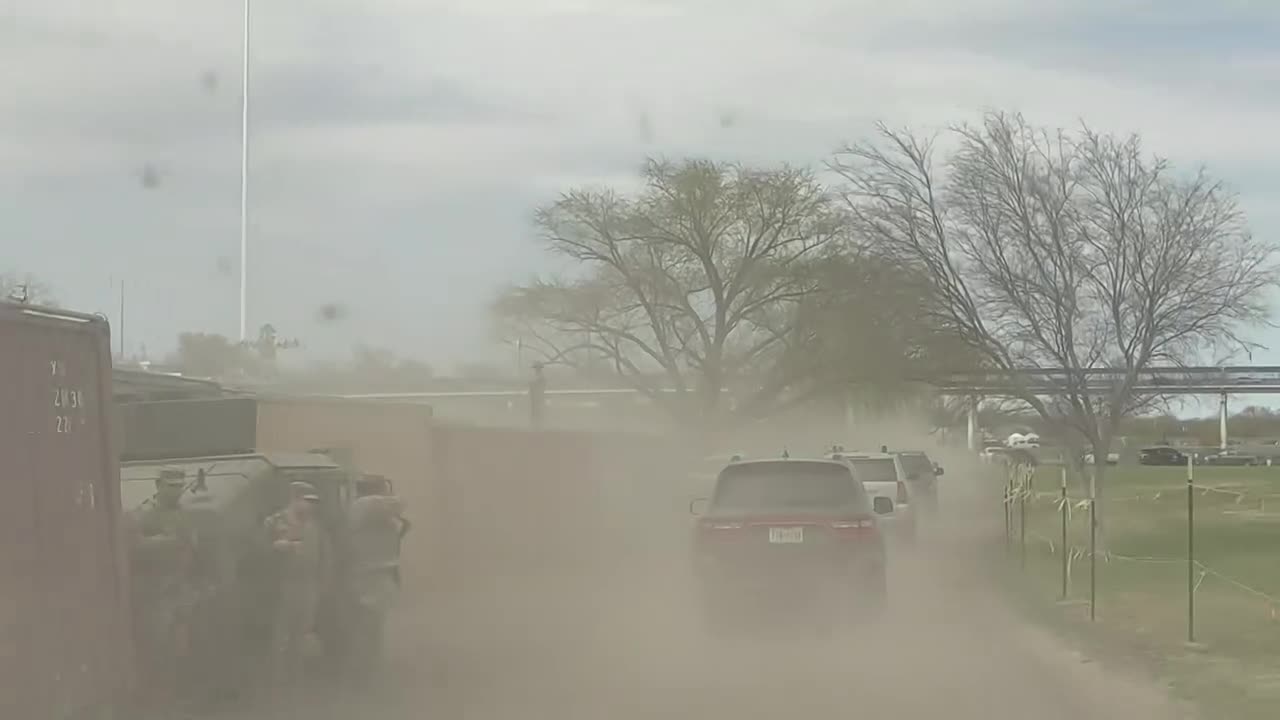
{"points": [[488, 501], [552, 502]]}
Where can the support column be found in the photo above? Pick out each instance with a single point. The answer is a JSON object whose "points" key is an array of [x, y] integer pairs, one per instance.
{"points": [[1222, 422], [848, 417], [973, 424]]}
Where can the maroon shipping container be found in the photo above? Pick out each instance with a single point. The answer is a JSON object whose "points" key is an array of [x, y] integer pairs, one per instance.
{"points": [[65, 625]]}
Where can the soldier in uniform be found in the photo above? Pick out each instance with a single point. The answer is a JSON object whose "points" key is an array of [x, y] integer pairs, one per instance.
{"points": [[163, 554], [378, 528], [297, 541]]}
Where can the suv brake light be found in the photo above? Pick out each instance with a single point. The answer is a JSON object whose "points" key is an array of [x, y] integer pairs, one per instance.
{"points": [[851, 524], [722, 526], [859, 527]]}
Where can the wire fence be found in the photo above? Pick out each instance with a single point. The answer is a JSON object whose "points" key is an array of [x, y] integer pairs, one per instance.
{"points": [[1174, 558]]}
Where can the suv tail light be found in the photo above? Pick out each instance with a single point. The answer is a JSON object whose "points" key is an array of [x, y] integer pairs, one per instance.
{"points": [[713, 529], [722, 526], [902, 493], [851, 524], [858, 527]]}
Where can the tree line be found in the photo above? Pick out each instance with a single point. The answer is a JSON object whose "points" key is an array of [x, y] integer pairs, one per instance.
{"points": [[724, 290]]}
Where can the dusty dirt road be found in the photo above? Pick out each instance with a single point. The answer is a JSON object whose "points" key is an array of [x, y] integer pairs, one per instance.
{"points": [[625, 643]]}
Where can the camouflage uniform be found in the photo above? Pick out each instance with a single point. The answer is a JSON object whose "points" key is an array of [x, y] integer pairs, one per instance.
{"points": [[297, 542], [377, 530], [163, 560]]}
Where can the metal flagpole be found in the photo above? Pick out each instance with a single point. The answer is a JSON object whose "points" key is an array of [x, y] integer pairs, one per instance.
{"points": [[244, 180]]}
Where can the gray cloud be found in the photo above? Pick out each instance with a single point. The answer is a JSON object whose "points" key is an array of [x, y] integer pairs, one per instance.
{"points": [[304, 96], [399, 146]]}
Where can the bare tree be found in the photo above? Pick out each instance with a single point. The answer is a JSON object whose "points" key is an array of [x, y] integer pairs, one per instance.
{"points": [[864, 335], [1071, 250], [689, 285]]}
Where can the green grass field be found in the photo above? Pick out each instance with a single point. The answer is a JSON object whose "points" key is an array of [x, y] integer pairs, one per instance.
{"points": [[1142, 584]]}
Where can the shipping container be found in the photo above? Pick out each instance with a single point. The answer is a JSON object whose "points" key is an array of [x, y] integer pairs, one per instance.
{"points": [[65, 626]]}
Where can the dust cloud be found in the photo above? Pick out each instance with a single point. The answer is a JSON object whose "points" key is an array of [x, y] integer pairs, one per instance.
{"points": [[622, 638]]}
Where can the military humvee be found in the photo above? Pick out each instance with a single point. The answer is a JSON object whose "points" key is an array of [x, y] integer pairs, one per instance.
{"points": [[229, 496]]}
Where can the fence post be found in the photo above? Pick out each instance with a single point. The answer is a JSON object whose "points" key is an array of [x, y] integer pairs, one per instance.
{"points": [[1008, 509], [1191, 554], [1066, 555], [1093, 543], [1023, 489]]}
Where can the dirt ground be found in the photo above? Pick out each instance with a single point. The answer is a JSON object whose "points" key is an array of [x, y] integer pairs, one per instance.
{"points": [[624, 642]]}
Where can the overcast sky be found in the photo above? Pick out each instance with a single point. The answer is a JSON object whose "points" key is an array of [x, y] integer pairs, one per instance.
{"points": [[399, 146]]}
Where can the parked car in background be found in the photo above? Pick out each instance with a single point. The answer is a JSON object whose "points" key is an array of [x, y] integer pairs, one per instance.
{"points": [[1231, 456], [1010, 456], [1113, 458], [788, 534], [992, 453], [1161, 455]]}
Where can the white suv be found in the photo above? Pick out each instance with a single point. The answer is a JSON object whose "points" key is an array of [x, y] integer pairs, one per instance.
{"points": [[884, 480]]}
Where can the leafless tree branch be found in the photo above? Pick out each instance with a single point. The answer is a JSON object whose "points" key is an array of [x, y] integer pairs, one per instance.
{"points": [[1072, 250]]}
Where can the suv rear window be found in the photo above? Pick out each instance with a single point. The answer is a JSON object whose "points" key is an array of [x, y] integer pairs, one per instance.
{"points": [[788, 485], [874, 469], [917, 464]]}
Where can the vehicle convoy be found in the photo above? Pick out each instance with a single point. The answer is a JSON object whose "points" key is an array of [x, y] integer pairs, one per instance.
{"points": [[885, 482], [788, 535], [65, 624], [227, 497]]}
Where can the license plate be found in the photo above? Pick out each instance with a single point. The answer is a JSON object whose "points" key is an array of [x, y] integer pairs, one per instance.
{"points": [[786, 535]]}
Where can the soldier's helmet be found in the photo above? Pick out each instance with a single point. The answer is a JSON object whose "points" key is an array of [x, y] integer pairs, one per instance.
{"points": [[304, 491]]}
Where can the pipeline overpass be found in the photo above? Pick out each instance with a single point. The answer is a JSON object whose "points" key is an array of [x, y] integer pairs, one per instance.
{"points": [[1244, 379], [1203, 380], [1241, 379]]}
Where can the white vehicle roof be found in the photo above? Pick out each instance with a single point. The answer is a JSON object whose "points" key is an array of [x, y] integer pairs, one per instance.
{"points": [[861, 456]]}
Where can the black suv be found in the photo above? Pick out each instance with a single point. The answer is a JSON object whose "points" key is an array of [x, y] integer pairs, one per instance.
{"points": [[1163, 455]]}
